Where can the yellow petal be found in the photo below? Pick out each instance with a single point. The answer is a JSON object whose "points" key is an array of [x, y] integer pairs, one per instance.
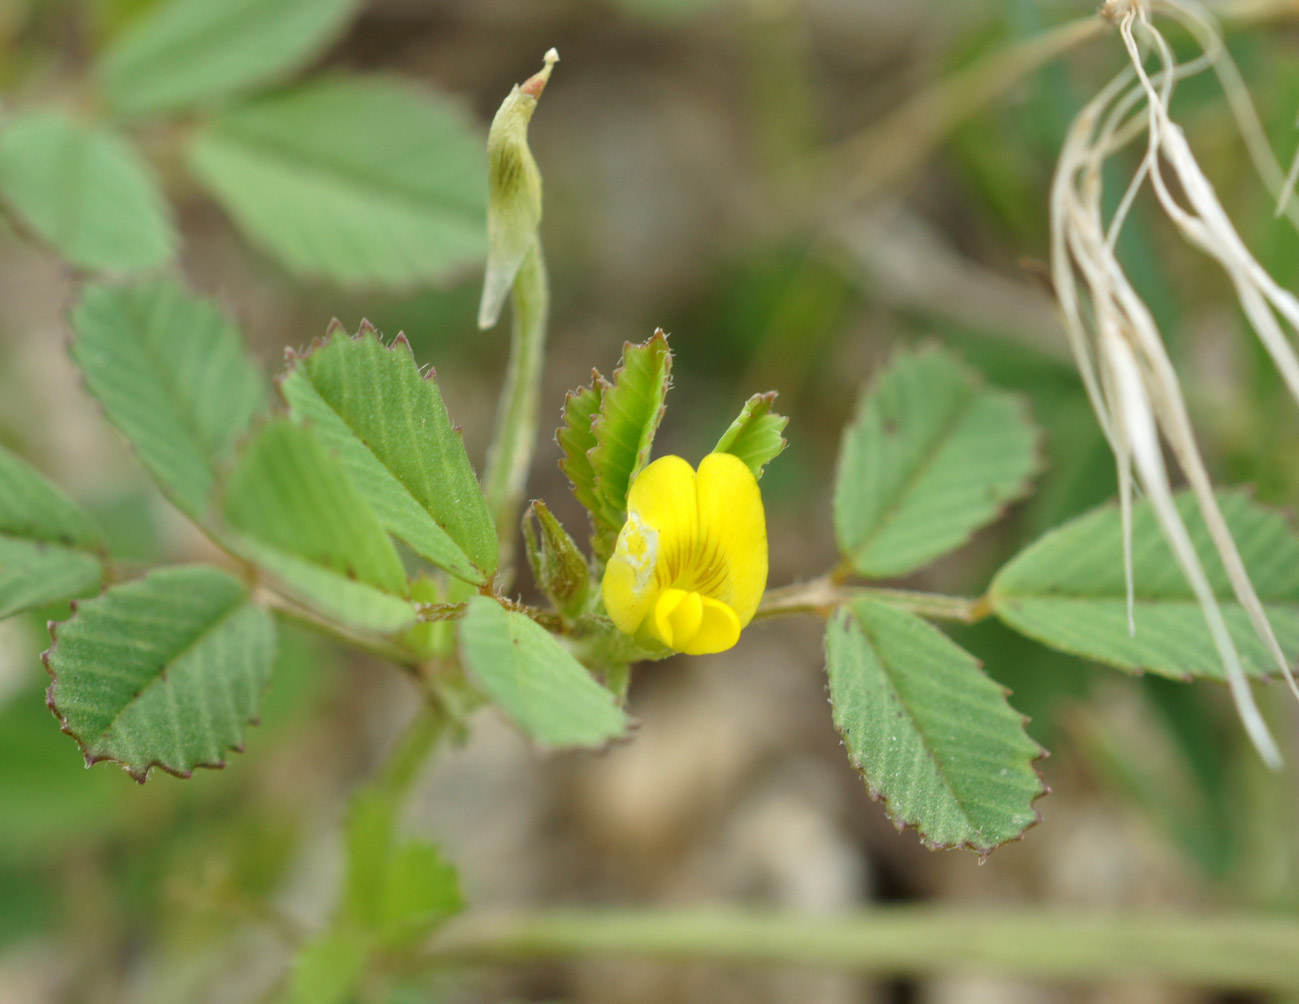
{"points": [[628, 595], [676, 617], [663, 496], [660, 527], [733, 535], [719, 629]]}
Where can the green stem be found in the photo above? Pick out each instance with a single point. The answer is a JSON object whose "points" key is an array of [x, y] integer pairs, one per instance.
{"points": [[271, 599], [516, 418], [412, 752], [1240, 952], [821, 597]]}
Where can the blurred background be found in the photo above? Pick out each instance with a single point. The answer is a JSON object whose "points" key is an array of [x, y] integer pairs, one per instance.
{"points": [[764, 180]]}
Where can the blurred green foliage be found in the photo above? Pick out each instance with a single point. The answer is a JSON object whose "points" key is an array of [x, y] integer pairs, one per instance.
{"points": [[365, 192]]}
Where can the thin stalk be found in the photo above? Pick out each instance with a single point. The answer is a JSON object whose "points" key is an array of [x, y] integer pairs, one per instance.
{"points": [[276, 602], [516, 418], [1240, 952], [821, 597], [412, 752]]}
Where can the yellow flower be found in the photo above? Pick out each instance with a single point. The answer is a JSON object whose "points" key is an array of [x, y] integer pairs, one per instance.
{"points": [[690, 565]]}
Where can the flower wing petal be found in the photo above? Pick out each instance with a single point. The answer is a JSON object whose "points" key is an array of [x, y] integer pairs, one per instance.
{"points": [[660, 531]]}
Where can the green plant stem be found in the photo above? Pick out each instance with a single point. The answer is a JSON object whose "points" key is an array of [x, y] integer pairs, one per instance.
{"points": [[516, 419], [410, 755], [821, 597], [276, 602], [1244, 952]]}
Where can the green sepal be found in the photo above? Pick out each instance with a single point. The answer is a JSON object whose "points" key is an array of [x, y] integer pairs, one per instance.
{"points": [[576, 440], [608, 431], [755, 435], [558, 565]]}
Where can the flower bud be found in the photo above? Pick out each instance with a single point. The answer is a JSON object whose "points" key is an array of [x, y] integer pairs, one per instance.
{"points": [[558, 565], [514, 192]]}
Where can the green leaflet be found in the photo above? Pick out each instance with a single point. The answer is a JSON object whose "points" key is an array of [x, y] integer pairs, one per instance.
{"points": [[930, 457], [169, 371], [86, 191], [933, 737], [49, 549], [186, 52], [33, 573], [162, 672], [535, 680], [1067, 590], [298, 514], [388, 425], [755, 435], [359, 180]]}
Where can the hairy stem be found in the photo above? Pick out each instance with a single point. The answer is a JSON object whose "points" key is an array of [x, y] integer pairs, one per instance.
{"points": [[276, 602], [412, 752], [821, 597], [1240, 952], [516, 419]]}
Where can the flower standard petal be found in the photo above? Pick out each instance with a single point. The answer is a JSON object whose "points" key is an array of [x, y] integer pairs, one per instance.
{"points": [[732, 535], [663, 496]]}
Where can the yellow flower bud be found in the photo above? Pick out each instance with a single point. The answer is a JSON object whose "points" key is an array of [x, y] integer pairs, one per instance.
{"points": [[690, 564]]}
